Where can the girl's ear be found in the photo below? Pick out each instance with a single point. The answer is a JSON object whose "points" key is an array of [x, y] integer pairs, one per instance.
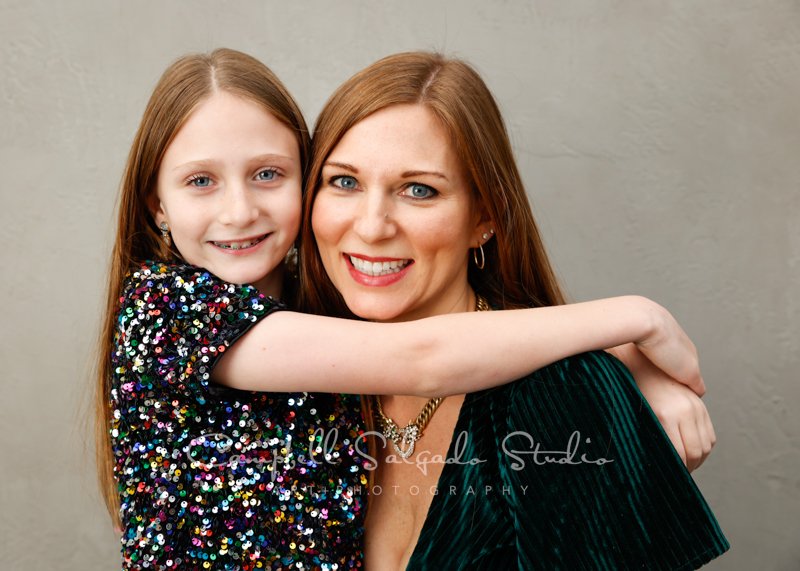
{"points": [[156, 208]]}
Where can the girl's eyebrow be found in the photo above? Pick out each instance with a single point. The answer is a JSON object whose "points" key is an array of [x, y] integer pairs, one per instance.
{"points": [[405, 174], [204, 163], [195, 164]]}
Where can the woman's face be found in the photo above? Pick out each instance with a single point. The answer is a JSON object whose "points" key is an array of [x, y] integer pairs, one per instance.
{"points": [[229, 188], [394, 218]]}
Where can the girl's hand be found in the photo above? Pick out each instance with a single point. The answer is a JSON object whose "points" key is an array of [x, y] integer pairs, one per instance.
{"points": [[682, 414], [669, 348]]}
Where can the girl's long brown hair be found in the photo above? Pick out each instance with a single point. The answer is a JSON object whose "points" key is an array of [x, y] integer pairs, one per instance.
{"points": [[185, 84], [517, 271]]}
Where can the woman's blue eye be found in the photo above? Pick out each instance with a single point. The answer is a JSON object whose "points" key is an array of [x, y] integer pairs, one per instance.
{"points": [[417, 190], [200, 181], [346, 182], [267, 175]]}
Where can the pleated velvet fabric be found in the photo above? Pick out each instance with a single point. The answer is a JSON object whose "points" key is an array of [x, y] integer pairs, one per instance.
{"points": [[566, 469]]}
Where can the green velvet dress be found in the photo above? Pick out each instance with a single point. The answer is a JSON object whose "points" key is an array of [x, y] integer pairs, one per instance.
{"points": [[567, 469]]}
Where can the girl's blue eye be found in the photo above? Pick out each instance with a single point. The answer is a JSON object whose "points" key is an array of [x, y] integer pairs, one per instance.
{"points": [[267, 175], [345, 182], [417, 190], [200, 181]]}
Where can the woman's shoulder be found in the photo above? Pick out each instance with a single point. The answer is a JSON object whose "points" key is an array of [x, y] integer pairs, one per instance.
{"points": [[583, 369], [582, 424], [582, 379], [586, 381]]}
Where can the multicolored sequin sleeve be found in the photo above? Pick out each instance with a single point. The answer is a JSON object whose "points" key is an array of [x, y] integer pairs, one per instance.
{"points": [[175, 321], [215, 478]]}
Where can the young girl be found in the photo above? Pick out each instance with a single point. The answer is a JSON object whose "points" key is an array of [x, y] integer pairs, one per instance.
{"points": [[206, 468]]}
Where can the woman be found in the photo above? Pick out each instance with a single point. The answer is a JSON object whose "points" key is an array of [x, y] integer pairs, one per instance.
{"points": [[568, 469]]}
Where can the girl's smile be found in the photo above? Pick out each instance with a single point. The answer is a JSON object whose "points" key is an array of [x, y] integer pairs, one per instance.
{"points": [[245, 245]]}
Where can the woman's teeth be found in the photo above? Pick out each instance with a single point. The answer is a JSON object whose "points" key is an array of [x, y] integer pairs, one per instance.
{"points": [[239, 245], [378, 268]]}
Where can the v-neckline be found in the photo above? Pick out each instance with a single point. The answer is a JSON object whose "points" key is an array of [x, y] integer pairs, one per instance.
{"points": [[448, 467]]}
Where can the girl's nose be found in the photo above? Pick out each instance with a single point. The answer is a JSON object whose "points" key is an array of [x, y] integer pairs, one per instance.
{"points": [[238, 208]]}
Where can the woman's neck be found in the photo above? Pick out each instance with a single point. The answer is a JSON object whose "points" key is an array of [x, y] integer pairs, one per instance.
{"points": [[461, 303]]}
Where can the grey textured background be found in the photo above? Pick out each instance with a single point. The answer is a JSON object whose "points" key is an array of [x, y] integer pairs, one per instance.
{"points": [[659, 142]]}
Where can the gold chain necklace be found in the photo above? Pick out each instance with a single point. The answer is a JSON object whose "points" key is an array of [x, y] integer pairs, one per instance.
{"points": [[404, 439]]}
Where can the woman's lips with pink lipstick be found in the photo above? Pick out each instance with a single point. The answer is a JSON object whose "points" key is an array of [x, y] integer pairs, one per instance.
{"points": [[370, 271]]}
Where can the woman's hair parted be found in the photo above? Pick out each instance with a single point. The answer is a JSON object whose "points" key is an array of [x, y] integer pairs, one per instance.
{"points": [[517, 272], [186, 83]]}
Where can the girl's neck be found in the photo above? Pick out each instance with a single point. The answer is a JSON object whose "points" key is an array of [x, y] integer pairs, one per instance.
{"points": [[271, 284]]}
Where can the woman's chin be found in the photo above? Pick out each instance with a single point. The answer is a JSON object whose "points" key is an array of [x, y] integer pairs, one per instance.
{"points": [[375, 311]]}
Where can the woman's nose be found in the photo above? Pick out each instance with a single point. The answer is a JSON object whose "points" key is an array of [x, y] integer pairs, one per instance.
{"points": [[373, 221]]}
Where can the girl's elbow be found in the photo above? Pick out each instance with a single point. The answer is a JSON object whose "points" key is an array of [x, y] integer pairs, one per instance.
{"points": [[433, 380]]}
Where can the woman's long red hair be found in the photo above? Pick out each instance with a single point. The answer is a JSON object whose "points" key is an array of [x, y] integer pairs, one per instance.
{"points": [[517, 271]]}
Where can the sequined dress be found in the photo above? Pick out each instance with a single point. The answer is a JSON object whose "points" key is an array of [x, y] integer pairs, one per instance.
{"points": [[214, 478]]}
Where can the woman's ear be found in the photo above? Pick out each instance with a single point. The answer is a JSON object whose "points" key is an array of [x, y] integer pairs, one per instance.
{"points": [[484, 227], [484, 232]]}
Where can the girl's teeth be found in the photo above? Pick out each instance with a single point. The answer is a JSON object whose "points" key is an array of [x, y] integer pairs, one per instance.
{"points": [[378, 268], [238, 245]]}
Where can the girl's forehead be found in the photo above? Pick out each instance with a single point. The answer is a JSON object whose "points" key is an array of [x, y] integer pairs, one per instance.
{"points": [[228, 127]]}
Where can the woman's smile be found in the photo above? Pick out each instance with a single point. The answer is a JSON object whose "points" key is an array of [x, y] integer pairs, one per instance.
{"points": [[366, 269]]}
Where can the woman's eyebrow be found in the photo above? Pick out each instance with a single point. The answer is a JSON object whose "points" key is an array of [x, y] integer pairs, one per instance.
{"points": [[411, 174], [344, 166], [405, 174]]}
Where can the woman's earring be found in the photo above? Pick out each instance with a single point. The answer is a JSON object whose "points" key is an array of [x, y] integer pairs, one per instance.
{"points": [[164, 227], [479, 263]]}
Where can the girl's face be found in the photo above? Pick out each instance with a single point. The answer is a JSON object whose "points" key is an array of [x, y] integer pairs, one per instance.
{"points": [[229, 188], [394, 219]]}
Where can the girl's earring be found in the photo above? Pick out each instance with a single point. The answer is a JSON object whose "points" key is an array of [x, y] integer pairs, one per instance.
{"points": [[292, 260], [164, 227]]}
